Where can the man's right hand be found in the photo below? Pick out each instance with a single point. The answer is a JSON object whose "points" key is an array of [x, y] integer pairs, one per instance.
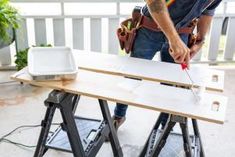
{"points": [[159, 12], [179, 51]]}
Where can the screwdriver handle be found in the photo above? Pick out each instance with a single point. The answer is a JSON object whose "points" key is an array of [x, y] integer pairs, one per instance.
{"points": [[184, 66]]}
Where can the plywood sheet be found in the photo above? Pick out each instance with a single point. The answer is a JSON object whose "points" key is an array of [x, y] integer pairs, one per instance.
{"points": [[143, 94], [149, 70]]}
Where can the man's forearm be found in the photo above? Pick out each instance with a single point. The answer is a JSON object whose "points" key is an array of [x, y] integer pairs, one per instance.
{"points": [[178, 50], [202, 29], [203, 26], [159, 12]]}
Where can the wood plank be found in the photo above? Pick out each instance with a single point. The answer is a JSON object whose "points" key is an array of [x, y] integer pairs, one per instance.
{"points": [[143, 94], [59, 32], [96, 34], [150, 70], [230, 46], [78, 34], [40, 31]]}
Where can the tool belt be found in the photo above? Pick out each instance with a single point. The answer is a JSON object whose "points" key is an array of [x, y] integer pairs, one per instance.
{"points": [[127, 32]]}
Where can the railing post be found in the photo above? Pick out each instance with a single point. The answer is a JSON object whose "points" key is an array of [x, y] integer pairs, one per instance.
{"points": [[114, 20]]}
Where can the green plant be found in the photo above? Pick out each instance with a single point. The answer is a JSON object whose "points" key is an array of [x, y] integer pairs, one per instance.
{"points": [[9, 18], [22, 56], [21, 59]]}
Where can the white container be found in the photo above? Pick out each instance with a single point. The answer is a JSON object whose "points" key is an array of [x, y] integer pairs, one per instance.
{"points": [[51, 63]]}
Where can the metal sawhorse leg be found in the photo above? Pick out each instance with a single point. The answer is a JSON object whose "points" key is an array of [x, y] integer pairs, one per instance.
{"points": [[153, 147], [67, 104]]}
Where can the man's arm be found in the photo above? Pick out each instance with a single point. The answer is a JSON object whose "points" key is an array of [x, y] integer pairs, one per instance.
{"points": [[204, 25], [202, 29], [159, 12]]}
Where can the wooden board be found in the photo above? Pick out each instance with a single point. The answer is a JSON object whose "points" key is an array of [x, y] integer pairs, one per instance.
{"points": [[149, 70], [144, 94]]}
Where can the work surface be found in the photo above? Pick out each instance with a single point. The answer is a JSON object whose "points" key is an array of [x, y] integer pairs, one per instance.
{"points": [[149, 70], [144, 94], [24, 105]]}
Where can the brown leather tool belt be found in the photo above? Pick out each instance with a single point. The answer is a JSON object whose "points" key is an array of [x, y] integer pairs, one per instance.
{"points": [[127, 33], [149, 23]]}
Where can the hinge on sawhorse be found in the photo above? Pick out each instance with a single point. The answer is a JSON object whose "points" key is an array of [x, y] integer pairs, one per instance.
{"points": [[178, 119], [46, 124], [56, 97], [65, 102], [155, 145]]}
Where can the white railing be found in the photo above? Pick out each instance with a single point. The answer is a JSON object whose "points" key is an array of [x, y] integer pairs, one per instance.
{"points": [[97, 32]]}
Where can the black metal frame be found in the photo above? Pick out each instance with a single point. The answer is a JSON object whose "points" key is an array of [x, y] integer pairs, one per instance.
{"points": [[67, 104], [153, 149]]}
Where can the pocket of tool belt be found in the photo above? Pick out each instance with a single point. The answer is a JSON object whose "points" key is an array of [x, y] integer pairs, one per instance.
{"points": [[192, 39], [126, 34], [129, 27]]}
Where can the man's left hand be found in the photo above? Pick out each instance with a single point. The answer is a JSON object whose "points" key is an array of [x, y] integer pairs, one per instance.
{"points": [[196, 48]]}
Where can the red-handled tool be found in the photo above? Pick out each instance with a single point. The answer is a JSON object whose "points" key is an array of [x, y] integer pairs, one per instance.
{"points": [[184, 66]]}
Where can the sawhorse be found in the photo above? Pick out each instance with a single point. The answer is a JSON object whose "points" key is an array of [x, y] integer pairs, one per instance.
{"points": [[154, 145], [81, 145]]}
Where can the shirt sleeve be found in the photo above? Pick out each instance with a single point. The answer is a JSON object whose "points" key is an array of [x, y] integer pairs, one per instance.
{"points": [[210, 11]]}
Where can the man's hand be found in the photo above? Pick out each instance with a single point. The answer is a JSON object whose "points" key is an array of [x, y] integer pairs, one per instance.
{"points": [[202, 28], [179, 51], [158, 10], [195, 49]]}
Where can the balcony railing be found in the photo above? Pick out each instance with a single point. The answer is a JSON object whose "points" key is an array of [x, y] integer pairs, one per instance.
{"points": [[91, 25]]}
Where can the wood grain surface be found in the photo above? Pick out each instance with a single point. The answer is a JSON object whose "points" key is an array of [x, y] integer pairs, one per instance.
{"points": [[143, 94], [149, 70]]}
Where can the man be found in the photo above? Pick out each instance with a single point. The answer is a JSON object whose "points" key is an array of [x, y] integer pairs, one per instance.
{"points": [[170, 16]]}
